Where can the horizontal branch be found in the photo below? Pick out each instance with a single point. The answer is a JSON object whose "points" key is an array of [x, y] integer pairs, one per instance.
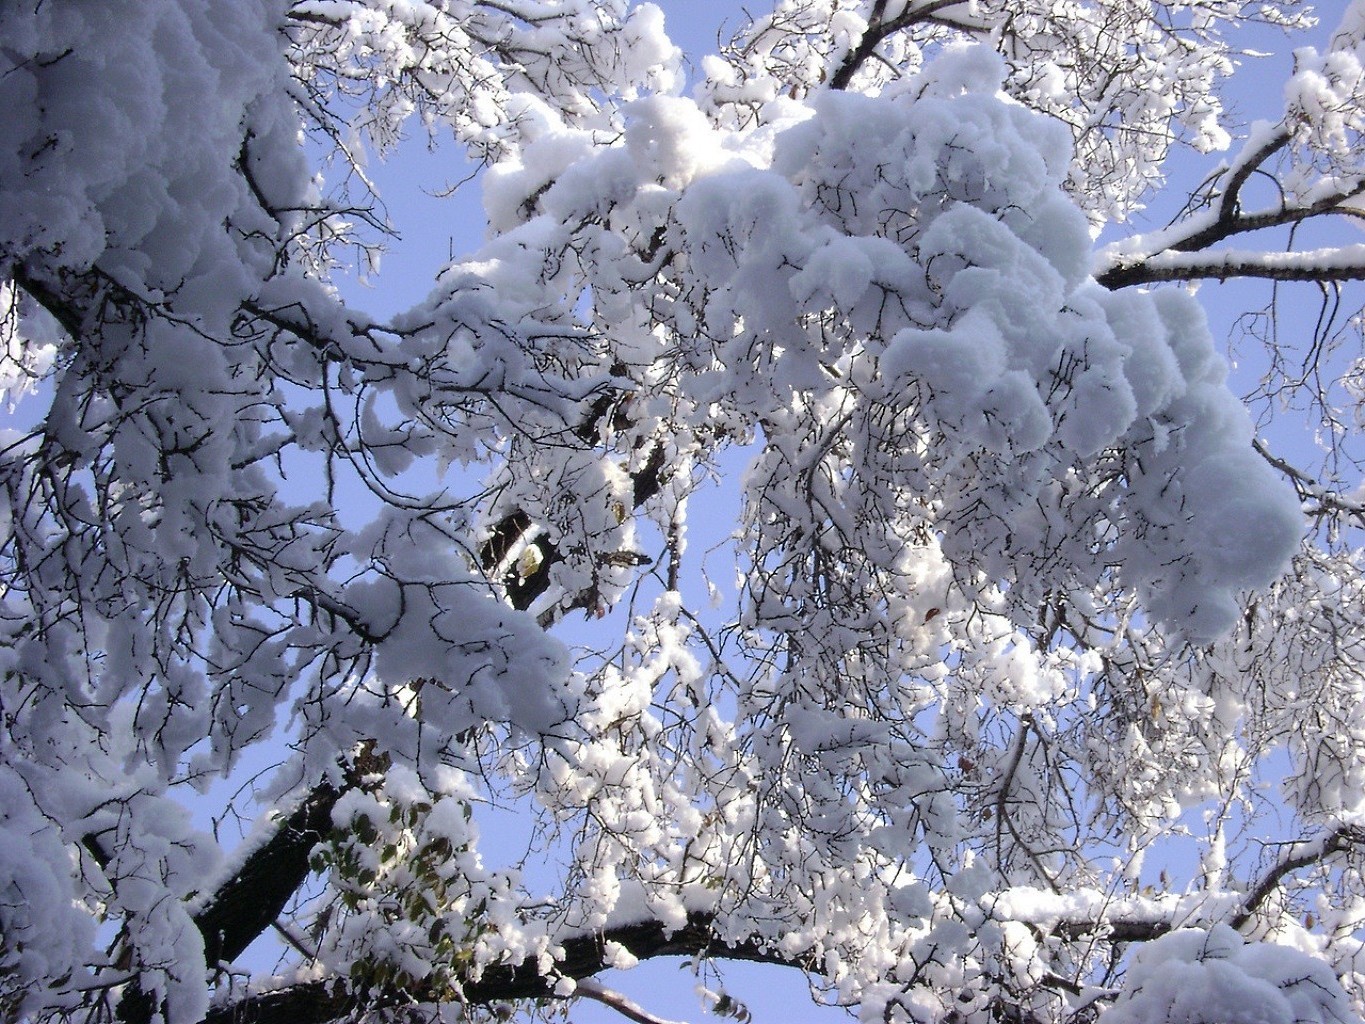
{"points": [[1121, 922], [1343, 263], [584, 956], [1183, 250], [1116, 931]]}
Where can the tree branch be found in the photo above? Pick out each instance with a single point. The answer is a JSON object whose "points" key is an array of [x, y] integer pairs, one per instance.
{"points": [[1230, 201], [524, 590], [584, 956], [252, 899], [1242, 223], [1344, 263], [1296, 856], [1328, 501], [618, 1002], [249, 902], [1182, 251], [878, 29]]}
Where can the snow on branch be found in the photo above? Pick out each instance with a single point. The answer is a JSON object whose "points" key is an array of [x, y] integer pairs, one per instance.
{"points": [[1009, 595], [583, 956], [628, 1008], [1340, 263], [1295, 857]]}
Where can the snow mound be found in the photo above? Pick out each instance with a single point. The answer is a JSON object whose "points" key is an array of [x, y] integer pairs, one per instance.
{"points": [[1194, 976]]}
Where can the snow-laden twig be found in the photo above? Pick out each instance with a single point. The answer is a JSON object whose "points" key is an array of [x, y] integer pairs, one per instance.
{"points": [[623, 1005]]}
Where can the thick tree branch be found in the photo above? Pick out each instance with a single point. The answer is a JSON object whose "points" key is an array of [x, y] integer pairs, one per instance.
{"points": [[1224, 228], [584, 956], [68, 312], [1230, 200], [1183, 250], [1345, 263], [250, 901], [1114, 931], [253, 898]]}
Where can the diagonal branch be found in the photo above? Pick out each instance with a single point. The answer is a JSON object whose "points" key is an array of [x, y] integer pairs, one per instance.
{"points": [[1182, 251], [249, 902], [1296, 857], [1133, 923], [1229, 211], [1329, 502], [878, 28], [621, 1004], [1243, 223]]}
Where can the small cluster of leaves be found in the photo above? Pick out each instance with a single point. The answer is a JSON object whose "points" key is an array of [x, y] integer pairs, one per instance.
{"points": [[408, 883]]}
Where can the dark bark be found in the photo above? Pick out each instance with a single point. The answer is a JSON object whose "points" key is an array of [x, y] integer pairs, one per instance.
{"points": [[249, 902], [1258, 265], [878, 28], [316, 1002]]}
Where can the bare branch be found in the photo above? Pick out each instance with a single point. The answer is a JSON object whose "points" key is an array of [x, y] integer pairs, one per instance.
{"points": [[1309, 489]]}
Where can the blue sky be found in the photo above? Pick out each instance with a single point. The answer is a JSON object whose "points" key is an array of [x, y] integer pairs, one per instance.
{"points": [[432, 228]]}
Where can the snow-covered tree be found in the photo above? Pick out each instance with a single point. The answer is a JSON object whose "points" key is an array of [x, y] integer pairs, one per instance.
{"points": [[817, 519]]}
